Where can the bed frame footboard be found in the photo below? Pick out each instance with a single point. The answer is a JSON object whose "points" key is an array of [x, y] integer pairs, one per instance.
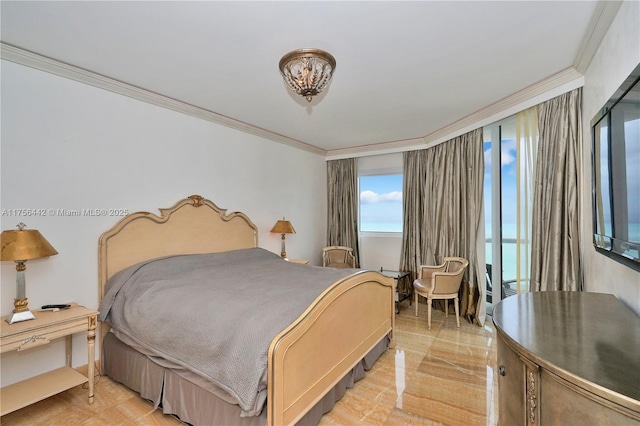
{"points": [[310, 356]]}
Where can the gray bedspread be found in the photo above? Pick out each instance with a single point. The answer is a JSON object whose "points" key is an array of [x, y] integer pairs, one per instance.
{"points": [[215, 314]]}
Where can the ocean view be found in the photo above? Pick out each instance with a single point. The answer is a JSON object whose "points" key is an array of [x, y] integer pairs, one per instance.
{"points": [[509, 247]]}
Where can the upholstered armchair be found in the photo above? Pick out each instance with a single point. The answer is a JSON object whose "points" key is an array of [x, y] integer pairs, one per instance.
{"points": [[338, 257], [440, 282]]}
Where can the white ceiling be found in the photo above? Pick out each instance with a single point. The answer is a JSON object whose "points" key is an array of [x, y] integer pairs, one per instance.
{"points": [[404, 69]]}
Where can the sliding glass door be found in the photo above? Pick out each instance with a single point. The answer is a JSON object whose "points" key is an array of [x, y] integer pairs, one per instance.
{"points": [[506, 179]]}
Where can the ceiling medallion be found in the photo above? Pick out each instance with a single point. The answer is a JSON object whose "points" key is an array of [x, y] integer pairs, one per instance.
{"points": [[307, 71]]}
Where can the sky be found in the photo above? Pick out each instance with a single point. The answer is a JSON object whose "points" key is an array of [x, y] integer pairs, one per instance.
{"points": [[381, 203], [509, 196], [381, 195]]}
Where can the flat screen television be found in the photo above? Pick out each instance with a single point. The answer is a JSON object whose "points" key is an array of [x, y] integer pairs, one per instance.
{"points": [[616, 174]]}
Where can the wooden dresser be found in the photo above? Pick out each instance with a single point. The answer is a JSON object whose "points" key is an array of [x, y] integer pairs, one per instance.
{"points": [[567, 358]]}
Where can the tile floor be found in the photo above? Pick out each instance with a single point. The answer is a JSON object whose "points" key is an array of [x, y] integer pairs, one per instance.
{"points": [[444, 376]]}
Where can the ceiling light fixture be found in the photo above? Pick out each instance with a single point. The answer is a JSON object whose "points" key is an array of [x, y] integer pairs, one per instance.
{"points": [[307, 71]]}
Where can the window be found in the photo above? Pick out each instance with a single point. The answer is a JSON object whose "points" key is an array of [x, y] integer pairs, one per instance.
{"points": [[381, 202]]}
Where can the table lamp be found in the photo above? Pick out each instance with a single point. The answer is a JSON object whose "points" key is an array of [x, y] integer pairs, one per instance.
{"points": [[283, 227], [21, 245]]}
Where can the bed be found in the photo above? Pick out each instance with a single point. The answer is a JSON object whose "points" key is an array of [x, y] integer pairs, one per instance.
{"points": [[309, 362]]}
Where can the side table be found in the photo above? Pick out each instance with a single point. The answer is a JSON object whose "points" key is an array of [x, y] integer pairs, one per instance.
{"points": [[47, 326], [404, 287]]}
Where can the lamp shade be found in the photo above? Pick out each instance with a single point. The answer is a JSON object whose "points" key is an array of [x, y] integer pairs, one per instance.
{"points": [[283, 227], [24, 244]]}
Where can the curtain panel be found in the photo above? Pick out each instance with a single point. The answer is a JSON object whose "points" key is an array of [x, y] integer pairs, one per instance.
{"points": [[447, 223], [526, 150], [413, 226], [342, 205], [555, 251]]}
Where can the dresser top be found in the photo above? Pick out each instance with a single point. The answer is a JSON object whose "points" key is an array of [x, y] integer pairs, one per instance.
{"points": [[587, 338]]}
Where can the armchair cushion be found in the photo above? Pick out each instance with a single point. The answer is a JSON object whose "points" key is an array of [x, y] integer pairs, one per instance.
{"points": [[423, 286], [338, 257], [440, 282], [441, 279]]}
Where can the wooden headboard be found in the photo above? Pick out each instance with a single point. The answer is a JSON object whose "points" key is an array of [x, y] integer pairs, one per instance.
{"points": [[194, 225]]}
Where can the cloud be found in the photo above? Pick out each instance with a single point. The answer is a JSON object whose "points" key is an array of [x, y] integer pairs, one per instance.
{"points": [[507, 154], [370, 197]]}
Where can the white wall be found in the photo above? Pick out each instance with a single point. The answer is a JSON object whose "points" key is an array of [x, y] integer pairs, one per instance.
{"points": [[66, 145], [617, 56]]}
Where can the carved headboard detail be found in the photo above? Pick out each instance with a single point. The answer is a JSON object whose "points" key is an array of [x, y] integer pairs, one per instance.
{"points": [[193, 225]]}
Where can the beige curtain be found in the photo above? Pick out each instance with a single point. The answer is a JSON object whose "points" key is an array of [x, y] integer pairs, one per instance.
{"points": [[555, 257], [451, 211], [526, 151], [413, 227], [342, 205]]}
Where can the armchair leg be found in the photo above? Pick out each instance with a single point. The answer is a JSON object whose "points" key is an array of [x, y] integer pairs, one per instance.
{"points": [[415, 300], [446, 308], [429, 313], [455, 304]]}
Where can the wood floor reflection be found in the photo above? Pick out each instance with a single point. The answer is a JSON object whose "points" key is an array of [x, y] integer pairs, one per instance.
{"points": [[446, 376]]}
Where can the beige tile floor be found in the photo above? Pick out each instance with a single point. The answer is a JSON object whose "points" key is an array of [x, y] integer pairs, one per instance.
{"points": [[444, 376]]}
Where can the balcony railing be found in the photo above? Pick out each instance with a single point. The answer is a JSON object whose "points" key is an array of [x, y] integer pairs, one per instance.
{"points": [[507, 288]]}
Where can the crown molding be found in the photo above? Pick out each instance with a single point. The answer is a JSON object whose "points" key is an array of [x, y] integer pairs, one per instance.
{"points": [[376, 149], [562, 82], [598, 26], [534, 94], [546, 89], [52, 66], [555, 85]]}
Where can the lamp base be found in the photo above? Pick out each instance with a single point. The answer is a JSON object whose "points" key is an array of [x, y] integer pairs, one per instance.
{"points": [[20, 316]]}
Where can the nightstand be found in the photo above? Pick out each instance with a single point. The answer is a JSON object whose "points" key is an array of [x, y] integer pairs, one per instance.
{"points": [[47, 326], [404, 286]]}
